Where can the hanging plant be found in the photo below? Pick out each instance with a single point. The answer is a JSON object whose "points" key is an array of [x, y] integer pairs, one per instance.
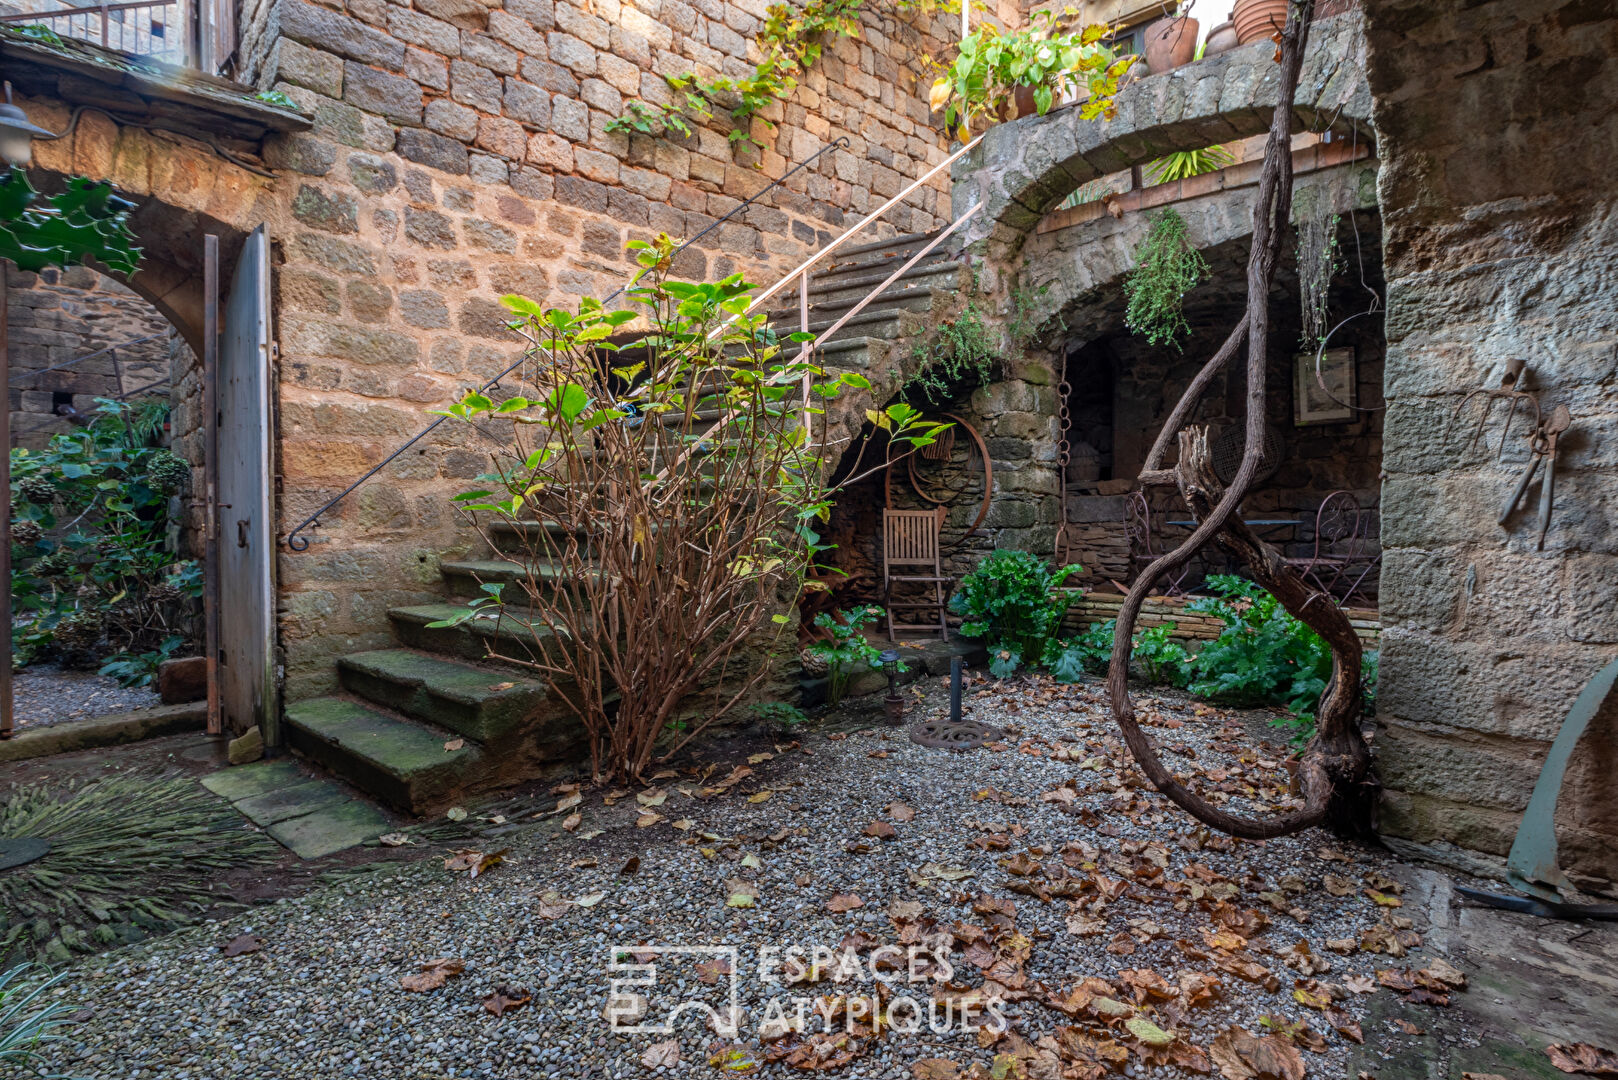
{"points": [[1317, 261], [1167, 267]]}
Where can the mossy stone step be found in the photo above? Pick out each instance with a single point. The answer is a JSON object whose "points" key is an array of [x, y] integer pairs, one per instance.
{"points": [[474, 702], [466, 577], [470, 640], [403, 764]]}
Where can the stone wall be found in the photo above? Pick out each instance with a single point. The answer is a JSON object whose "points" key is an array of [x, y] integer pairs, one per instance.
{"points": [[55, 317], [1498, 142], [459, 152]]}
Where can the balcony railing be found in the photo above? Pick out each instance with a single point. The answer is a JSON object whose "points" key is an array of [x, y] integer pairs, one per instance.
{"points": [[151, 28]]}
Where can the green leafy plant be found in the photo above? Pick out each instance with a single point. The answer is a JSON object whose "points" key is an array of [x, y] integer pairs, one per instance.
{"points": [[1010, 600], [139, 669], [781, 716], [1184, 164], [1160, 658], [789, 43], [277, 98], [91, 557], [847, 649], [979, 84], [37, 32], [85, 221], [26, 1022], [1264, 656], [1166, 268], [701, 527]]}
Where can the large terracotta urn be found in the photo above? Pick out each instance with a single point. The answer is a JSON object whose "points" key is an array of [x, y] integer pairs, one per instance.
{"points": [[1171, 43], [1258, 19], [1221, 38]]}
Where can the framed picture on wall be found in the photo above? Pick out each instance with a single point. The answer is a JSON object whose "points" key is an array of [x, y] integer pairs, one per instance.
{"points": [[1311, 405]]}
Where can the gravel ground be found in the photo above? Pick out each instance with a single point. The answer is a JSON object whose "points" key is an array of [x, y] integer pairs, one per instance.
{"points": [[47, 694], [1187, 931]]}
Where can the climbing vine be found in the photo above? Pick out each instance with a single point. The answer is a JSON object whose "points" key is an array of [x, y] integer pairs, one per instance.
{"points": [[1166, 268], [790, 43]]}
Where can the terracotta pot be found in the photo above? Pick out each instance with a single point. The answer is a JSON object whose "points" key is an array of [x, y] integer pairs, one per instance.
{"points": [[1221, 38], [1171, 43], [1258, 19], [1023, 96]]}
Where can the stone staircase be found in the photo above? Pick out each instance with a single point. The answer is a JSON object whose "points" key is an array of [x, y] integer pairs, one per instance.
{"points": [[427, 723]]}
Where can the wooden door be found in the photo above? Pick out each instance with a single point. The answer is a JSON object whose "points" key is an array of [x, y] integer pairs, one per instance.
{"points": [[244, 385]]}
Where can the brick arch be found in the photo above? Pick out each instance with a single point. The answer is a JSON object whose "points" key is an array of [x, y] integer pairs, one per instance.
{"points": [[1024, 168]]}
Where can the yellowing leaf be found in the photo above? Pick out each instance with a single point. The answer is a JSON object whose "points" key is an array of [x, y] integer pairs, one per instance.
{"points": [[1148, 1032]]}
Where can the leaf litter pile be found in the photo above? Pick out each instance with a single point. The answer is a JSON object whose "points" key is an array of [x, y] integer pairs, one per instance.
{"points": [[1039, 879]]}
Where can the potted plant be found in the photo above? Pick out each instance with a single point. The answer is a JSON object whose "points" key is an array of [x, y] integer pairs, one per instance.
{"points": [[999, 75], [1258, 19], [1171, 43]]}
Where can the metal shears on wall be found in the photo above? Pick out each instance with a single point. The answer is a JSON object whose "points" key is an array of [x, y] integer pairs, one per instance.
{"points": [[1542, 448]]}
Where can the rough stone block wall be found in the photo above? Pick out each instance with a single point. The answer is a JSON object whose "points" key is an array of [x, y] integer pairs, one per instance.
{"points": [[460, 152], [1498, 142], [57, 316]]}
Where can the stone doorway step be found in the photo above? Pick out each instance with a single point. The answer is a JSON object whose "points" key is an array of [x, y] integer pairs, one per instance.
{"points": [[311, 816]]}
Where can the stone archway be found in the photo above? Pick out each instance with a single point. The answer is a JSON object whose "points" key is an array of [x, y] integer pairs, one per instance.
{"points": [[1024, 168]]}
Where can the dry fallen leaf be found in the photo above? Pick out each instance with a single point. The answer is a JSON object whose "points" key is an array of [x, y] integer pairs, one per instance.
{"points": [[761, 796], [935, 1069], [1583, 1058], [663, 1055], [881, 830], [394, 839], [740, 893], [454, 744], [432, 975], [506, 998], [568, 802], [242, 944], [572, 821], [842, 902], [900, 812], [590, 900]]}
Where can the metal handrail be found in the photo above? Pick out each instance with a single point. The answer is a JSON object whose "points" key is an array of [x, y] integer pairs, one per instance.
{"points": [[294, 542], [102, 11], [88, 356]]}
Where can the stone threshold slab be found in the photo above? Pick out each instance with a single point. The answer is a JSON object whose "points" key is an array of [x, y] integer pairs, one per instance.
{"points": [[312, 817]]}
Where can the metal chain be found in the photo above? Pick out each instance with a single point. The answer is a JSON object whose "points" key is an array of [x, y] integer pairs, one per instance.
{"points": [[1063, 450]]}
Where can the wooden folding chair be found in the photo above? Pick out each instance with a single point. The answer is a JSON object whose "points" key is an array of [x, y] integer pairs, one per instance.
{"points": [[910, 539]]}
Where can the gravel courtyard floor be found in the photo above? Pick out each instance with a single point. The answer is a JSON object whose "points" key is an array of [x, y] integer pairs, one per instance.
{"points": [[48, 694], [1040, 878]]}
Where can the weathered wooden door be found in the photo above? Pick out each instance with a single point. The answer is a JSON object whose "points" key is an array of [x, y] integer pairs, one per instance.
{"points": [[245, 385]]}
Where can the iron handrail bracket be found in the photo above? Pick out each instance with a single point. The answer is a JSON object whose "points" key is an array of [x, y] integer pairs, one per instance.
{"points": [[295, 542]]}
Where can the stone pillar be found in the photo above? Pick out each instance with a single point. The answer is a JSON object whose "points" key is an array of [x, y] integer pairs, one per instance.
{"points": [[1497, 139]]}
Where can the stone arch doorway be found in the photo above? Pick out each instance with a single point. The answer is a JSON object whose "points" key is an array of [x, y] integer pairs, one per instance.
{"points": [[210, 282]]}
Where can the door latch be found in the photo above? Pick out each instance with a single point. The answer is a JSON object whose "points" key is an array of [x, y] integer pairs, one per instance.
{"points": [[241, 533]]}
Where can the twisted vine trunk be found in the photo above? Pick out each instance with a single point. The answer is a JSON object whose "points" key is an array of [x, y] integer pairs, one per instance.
{"points": [[1335, 766]]}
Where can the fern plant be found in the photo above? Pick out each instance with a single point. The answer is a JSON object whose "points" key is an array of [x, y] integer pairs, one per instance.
{"points": [[1167, 267]]}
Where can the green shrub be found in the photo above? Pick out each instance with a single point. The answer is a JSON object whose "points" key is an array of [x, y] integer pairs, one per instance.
{"points": [[91, 559], [847, 647], [1010, 600]]}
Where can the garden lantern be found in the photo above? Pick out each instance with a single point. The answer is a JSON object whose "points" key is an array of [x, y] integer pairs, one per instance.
{"points": [[892, 705]]}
